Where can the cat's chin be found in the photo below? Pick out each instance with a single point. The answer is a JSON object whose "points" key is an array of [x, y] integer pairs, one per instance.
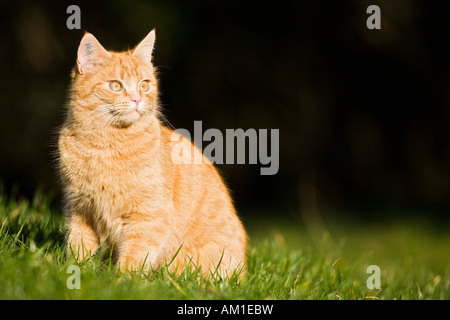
{"points": [[127, 120]]}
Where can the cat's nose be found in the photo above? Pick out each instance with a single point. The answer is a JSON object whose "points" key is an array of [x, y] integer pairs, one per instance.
{"points": [[136, 100]]}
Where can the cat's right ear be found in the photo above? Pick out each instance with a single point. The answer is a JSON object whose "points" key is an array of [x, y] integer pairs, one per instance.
{"points": [[91, 54]]}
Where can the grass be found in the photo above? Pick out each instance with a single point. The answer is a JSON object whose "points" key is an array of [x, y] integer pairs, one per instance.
{"points": [[285, 261]]}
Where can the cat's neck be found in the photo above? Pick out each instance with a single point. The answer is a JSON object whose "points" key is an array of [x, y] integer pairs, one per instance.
{"points": [[146, 131]]}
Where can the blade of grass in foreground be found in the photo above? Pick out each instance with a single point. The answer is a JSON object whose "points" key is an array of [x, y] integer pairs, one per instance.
{"points": [[283, 263]]}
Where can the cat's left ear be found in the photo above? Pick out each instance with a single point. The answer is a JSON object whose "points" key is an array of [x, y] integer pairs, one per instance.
{"points": [[144, 49]]}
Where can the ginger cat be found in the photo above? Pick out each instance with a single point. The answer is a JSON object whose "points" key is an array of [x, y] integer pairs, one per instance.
{"points": [[121, 187]]}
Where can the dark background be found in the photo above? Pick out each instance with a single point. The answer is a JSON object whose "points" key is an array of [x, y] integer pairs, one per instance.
{"points": [[363, 114]]}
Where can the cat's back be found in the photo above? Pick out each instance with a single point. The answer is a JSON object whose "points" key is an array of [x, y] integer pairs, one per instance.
{"points": [[196, 182], [201, 196], [195, 166]]}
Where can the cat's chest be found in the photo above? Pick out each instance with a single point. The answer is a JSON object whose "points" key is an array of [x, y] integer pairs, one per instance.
{"points": [[111, 178], [108, 167]]}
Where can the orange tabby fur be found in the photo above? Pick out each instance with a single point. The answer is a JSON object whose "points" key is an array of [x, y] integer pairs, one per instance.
{"points": [[121, 185]]}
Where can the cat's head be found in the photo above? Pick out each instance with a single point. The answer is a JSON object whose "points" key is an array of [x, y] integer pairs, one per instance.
{"points": [[114, 88]]}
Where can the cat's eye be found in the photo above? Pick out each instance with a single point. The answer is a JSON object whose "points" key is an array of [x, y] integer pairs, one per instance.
{"points": [[144, 85], [115, 85]]}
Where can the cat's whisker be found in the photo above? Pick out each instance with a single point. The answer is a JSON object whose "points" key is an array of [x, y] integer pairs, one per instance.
{"points": [[101, 124], [94, 117], [99, 108], [164, 119], [110, 120]]}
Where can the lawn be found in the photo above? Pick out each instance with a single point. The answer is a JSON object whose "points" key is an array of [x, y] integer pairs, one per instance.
{"points": [[286, 260]]}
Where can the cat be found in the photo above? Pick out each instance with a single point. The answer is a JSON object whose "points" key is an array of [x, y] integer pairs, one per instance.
{"points": [[121, 188]]}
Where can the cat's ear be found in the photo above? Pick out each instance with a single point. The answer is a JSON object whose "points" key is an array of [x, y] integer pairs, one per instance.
{"points": [[91, 54], [144, 49]]}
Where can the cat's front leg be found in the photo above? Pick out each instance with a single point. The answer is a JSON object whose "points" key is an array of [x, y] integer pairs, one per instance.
{"points": [[141, 243], [82, 240]]}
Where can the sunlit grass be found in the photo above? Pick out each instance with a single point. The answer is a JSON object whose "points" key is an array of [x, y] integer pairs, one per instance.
{"points": [[285, 261]]}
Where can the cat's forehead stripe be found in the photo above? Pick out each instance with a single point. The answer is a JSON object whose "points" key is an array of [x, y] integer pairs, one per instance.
{"points": [[127, 68]]}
